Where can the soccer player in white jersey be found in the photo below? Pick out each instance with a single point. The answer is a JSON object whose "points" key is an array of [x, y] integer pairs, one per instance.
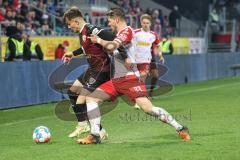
{"points": [[126, 84], [147, 43]]}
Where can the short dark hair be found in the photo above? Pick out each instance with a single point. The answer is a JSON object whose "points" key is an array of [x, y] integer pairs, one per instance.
{"points": [[116, 12], [72, 13]]}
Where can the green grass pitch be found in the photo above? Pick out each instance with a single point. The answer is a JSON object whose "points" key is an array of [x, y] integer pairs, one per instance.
{"points": [[210, 109]]}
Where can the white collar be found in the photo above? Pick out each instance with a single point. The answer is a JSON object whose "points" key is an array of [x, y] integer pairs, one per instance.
{"points": [[82, 28]]}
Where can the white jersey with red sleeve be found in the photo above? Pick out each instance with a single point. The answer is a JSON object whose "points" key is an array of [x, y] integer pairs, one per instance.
{"points": [[146, 42], [125, 38]]}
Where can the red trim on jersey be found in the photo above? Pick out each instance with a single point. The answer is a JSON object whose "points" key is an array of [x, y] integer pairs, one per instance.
{"points": [[137, 30], [118, 41], [125, 36], [155, 44], [143, 67], [157, 39]]}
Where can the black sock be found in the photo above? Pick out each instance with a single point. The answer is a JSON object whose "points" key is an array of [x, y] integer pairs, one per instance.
{"points": [[153, 83], [81, 112], [73, 97]]}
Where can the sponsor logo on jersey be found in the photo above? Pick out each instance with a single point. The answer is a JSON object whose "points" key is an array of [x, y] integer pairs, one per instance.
{"points": [[142, 43], [91, 80]]}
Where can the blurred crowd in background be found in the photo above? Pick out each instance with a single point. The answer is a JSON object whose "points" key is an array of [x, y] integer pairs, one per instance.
{"points": [[35, 18], [44, 17], [222, 12]]}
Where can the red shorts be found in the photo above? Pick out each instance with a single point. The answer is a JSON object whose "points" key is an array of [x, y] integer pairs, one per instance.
{"points": [[129, 85], [143, 67]]}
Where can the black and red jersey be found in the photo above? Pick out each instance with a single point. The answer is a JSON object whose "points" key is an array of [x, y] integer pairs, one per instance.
{"points": [[97, 57]]}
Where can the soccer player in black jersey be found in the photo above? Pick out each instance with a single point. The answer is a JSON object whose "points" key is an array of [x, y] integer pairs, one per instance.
{"points": [[98, 71]]}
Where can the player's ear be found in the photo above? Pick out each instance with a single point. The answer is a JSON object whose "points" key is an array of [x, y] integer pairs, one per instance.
{"points": [[117, 20]]}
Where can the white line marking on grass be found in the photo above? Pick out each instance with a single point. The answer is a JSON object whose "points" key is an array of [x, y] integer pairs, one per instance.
{"points": [[201, 90], [9, 110], [23, 121], [163, 96]]}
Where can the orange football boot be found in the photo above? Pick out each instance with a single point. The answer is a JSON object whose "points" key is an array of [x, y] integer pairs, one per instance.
{"points": [[90, 139], [184, 134]]}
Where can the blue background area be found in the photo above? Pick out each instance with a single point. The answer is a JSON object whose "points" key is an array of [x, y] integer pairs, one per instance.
{"points": [[27, 83]]}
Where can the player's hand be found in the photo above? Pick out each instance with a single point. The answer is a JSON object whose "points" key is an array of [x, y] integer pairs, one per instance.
{"points": [[162, 60], [128, 63], [93, 38], [67, 57]]}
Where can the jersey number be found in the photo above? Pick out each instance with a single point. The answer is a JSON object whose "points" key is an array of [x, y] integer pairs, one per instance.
{"points": [[138, 89]]}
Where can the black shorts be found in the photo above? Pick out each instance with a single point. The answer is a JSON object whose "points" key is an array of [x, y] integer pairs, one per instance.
{"points": [[92, 79]]}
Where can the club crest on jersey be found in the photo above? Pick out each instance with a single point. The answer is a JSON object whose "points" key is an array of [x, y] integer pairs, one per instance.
{"points": [[91, 80]]}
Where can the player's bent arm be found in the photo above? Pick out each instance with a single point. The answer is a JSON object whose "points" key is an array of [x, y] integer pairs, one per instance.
{"points": [[69, 55], [77, 52], [73, 53], [109, 45], [106, 35]]}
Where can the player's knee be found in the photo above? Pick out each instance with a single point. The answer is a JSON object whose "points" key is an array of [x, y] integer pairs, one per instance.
{"points": [[145, 73], [147, 109], [81, 99], [143, 76], [75, 89], [154, 73], [72, 89], [92, 99], [145, 104]]}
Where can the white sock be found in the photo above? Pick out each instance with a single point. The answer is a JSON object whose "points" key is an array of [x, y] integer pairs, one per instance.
{"points": [[166, 117], [82, 124], [94, 117]]}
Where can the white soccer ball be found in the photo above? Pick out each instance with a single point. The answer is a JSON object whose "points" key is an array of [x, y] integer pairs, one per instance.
{"points": [[41, 134]]}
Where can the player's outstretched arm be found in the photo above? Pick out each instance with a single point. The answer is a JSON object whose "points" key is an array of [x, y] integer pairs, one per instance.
{"points": [[67, 57]]}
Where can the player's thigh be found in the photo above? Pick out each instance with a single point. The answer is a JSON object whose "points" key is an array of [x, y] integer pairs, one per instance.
{"points": [[144, 103], [76, 87], [82, 96], [98, 96], [154, 73], [143, 76]]}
